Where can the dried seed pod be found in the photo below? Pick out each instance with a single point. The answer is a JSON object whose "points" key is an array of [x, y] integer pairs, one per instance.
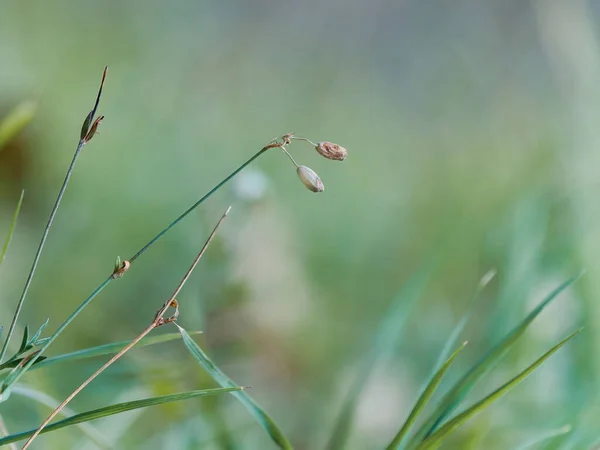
{"points": [[331, 151], [310, 179]]}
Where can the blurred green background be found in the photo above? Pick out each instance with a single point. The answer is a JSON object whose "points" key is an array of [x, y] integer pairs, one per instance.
{"points": [[472, 130]]}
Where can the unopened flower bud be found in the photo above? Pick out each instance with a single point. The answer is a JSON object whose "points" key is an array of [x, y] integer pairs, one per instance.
{"points": [[331, 151], [310, 179]]}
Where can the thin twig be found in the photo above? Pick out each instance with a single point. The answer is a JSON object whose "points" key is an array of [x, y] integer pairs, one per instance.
{"points": [[38, 253], [156, 322]]}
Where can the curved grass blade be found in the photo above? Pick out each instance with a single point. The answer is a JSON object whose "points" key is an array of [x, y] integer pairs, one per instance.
{"points": [[16, 121], [460, 326], [382, 346], [116, 409], [544, 437], [460, 390], [435, 439], [424, 399], [107, 349], [13, 225], [259, 414]]}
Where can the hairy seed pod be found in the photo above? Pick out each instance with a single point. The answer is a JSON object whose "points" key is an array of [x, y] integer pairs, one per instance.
{"points": [[310, 179], [331, 151]]}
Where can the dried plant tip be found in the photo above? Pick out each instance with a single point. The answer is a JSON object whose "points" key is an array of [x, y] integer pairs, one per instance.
{"points": [[93, 129], [331, 151], [174, 304], [120, 268], [310, 179], [286, 139]]}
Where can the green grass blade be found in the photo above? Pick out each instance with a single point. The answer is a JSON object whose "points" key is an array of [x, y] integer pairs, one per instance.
{"points": [[460, 390], [107, 349], [460, 326], [11, 230], [16, 121], [259, 414], [116, 409], [382, 346], [434, 440], [424, 399]]}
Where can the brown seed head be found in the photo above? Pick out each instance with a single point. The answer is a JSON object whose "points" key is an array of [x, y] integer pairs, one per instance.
{"points": [[331, 151], [310, 179]]}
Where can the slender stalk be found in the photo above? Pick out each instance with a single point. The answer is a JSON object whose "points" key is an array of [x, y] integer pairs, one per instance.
{"points": [[61, 193], [139, 253], [195, 205], [158, 321], [38, 253]]}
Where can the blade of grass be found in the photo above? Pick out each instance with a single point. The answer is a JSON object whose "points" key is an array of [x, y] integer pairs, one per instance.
{"points": [[107, 349], [16, 121], [11, 230], [116, 409], [259, 414], [435, 439], [460, 390], [424, 399], [460, 326], [382, 346]]}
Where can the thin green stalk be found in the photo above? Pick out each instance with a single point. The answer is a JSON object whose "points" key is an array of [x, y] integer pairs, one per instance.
{"points": [[38, 253], [195, 205], [134, 257], [84, 138]]}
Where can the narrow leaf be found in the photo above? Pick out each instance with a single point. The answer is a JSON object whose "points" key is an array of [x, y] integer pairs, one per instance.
{"points": [[107, 349], [424, 399], [13, 225], [24, 340], [434, 440], [14, 362], [460, 326], [462, 388], [35, 338], [116, 409], [382, 346], [16, 121], [259, 414]]}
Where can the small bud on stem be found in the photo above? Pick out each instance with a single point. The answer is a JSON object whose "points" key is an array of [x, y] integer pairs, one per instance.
{"points": [[331, 151], [310, 179]]}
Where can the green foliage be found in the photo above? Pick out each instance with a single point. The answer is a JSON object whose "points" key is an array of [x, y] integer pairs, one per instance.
{"points": [[117, 409], [460, 390], [383, 344], [424, 399], [434, 440], [257, 412]]}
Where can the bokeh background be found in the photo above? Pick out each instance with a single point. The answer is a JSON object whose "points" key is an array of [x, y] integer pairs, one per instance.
{"points": [[473, 133]]}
